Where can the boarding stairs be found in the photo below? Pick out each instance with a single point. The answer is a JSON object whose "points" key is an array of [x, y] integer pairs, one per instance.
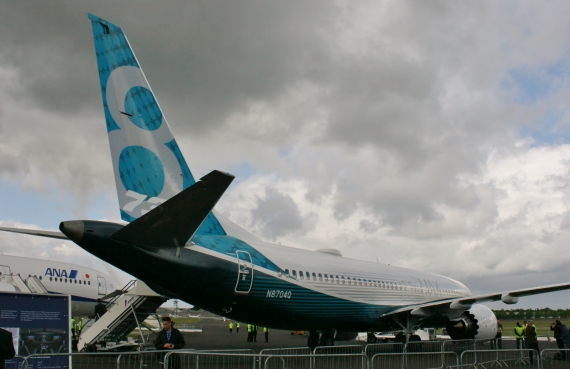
{"points": [[125, 312], [30, 285]]}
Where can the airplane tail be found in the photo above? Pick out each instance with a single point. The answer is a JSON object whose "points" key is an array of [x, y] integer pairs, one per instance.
{"points": [[148, 165]]}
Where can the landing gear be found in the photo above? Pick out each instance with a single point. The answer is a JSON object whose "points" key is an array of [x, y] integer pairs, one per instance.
{"points": [[371, 337], [327, 339], [313, 340], [324, 339]]}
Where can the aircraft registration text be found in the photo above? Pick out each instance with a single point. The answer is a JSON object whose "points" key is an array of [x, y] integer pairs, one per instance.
{"points": [[278, 294]]}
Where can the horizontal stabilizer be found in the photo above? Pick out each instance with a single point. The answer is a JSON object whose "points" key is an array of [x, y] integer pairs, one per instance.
{"points": [[174, 222], [36, 232]]}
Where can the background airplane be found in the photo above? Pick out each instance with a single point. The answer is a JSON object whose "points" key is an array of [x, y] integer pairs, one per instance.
{"points": [[174, 236], [85, 285]]}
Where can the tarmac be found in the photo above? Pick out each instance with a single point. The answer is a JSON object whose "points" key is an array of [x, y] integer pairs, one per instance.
{"points": [[215, 336]]}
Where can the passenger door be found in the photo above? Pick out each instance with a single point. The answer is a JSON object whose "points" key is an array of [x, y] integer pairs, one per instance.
{"points": [[101, 285], [245, 272]]}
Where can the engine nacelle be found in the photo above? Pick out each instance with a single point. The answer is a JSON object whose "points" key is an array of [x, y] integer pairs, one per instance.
{"points": [[479, 322]]}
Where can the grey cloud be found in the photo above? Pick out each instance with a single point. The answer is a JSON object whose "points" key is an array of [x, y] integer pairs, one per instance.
{"points": [[278, 215]]}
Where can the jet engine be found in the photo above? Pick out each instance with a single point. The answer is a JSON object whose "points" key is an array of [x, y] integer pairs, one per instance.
{"points": [[479, 322]]}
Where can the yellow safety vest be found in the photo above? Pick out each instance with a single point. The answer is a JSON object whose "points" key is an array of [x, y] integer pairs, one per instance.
{"points": [[231, 325], [519, 332], [237, 325], [265, 329], [249, 328]]}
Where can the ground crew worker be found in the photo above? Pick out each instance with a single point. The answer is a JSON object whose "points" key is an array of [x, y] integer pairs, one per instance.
{"points": [[73, 327], [237, 327], [519, 335], [249, 333], [531, 341], [231, 326], [266, 331], [79, 327]]}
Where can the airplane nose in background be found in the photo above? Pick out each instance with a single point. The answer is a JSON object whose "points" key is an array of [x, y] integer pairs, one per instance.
{"points": [[73, 229]]}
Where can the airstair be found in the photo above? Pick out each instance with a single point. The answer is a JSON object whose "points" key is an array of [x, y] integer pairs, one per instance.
{"points": [[30, 285], [125, 312]]}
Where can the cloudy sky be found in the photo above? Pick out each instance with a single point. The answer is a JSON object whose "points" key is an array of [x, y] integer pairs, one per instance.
{"points": [[429, 135]]}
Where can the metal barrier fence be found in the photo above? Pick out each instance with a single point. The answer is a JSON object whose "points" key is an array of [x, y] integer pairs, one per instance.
{"points": [[555, 359], [483, 359], [372, 356], [295, 357], [414, 360]]}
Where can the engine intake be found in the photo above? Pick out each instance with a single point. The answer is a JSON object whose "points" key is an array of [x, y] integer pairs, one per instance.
{"points": [[479, 322]]}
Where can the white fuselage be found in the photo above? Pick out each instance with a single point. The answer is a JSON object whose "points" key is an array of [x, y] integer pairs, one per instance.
{"points": [[85, 285]]}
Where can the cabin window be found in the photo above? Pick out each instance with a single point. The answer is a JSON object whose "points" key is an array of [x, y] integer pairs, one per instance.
{"points": [[287, 272], [300, 274], [294, 272], [342, 279], [314, 276], [320, 277], [89, 283], [75, 281], [50, 279], [279, 272], [326, 277], [336, 278]]}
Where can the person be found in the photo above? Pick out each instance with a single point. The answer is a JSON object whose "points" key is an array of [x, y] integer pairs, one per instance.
{"points": [[7, 351], [525, 323], [79, 327], [519, 335], [73, 327], [254, 333], [531, 340], [249, 333], [100, 309], [237, 327], [557, 329], [231, 326], [499, 336], [565, 336], [170, 338], [266, 331]]}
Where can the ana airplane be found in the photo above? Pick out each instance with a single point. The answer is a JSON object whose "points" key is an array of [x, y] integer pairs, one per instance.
{"points": [[85, 285], [178, 245]]}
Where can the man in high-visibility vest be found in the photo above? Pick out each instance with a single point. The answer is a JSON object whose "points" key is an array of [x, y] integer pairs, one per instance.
{"points": [[519, 335], [79, 327], [237, 327], [73, 327], [266, 331], [231, 327], [249, 333]]}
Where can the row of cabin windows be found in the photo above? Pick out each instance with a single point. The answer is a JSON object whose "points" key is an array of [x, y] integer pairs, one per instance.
{"points": [[329, 278], [63, 280]]}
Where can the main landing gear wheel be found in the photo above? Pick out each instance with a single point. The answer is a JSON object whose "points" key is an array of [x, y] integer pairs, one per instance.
{"points": [[313, 340], [327, 339], [371, 338]]}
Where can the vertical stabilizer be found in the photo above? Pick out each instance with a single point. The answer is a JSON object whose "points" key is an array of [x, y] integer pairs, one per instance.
{"points": [[148, 165]]}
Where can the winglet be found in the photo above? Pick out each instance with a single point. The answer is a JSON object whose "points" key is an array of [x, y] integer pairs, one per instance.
{"points": [[174, 222]]}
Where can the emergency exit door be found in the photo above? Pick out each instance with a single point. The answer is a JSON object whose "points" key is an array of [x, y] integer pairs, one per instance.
{"points": [[245, 272]]}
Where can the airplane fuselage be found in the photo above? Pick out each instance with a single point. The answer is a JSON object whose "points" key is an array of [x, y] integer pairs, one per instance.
{"points": [[272, 285], [84, 284]]}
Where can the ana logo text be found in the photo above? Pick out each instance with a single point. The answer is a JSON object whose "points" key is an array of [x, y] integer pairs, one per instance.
{"points": [[54, 272]]}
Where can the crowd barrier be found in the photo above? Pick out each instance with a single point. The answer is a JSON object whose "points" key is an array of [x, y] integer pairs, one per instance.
{"points": [[445, 355]]}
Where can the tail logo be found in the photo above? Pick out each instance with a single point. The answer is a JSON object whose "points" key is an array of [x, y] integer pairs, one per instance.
{"points": [[142, 145]]}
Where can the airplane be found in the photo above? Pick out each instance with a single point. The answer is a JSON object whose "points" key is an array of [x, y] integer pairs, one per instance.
{"points": [[84, 285], [181, 247]]}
